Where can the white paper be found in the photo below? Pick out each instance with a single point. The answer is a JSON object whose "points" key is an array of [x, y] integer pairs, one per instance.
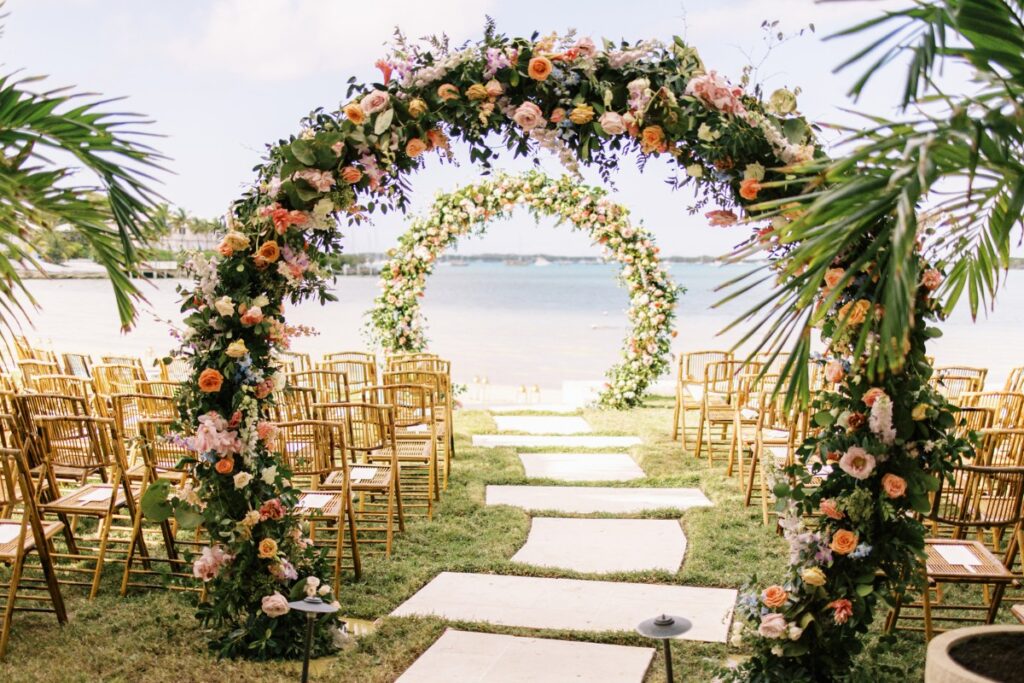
{"points": [[9, 532], [360, 473], [315, 501], [418, 429], [96, 495], [958, 554]]}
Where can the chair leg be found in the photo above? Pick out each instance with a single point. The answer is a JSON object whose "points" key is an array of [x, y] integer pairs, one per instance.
{"points": [[353, 540], [675, 418], [12, 596], [700, 432], [894, 615], [101, 554], [926, 608]]}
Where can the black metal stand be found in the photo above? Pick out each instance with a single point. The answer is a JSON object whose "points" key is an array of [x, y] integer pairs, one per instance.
{"points": [[310, 618], [668, 663]]}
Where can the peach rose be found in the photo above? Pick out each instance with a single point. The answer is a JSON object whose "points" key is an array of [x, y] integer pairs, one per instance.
{"points": [[854, 313], [872, 395], [494, 88], [774, 597], [828, 507], [436, 138], [528, 116], [268, 252], [612, 123], [225, 465], [355, 113], [252, 316], [749, 188], [931, 279], [268, 548], [582, 114], [415, 147], [557, 114], [351, 175], [721, 218], [835, 371], [855, 421], [539, 68], [210, 381], [652, 139], [447, 91], [833, 276], [843, 542], [894, 485]]}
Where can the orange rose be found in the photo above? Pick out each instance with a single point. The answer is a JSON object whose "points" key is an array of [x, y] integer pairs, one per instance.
{"points": [[415, 147], [833, 276], [652, 139], [844, 542], [894, 485], [774, 597], [557, 114], [539, 68], [437, 138], [854, 313], [355, 113], [268, 548], [268, 252], [351, 175], [829, 508], [447, 91], [210, 381], [225, 465], [749, 188]]}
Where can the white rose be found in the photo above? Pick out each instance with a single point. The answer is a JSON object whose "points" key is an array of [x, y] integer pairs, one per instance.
{"points": [[242, 480], [269, 474], [261, 301], [225, 306]]}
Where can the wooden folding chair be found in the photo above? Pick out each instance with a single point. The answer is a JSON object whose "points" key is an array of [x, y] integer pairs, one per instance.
{"points": [[135, 363], [690, 385], [330, 386], [445, 400], [114, 378], [294, 403], [177, 371], [720, 394], [78, 364], [982, 499], [1015, 380], [1007, 406], [440, 417], [32, 368], [417, 436], [776, 437], [359, 374]]}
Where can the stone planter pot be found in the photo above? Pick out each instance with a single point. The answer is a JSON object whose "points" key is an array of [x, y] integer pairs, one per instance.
{"points": [[941, 668]]}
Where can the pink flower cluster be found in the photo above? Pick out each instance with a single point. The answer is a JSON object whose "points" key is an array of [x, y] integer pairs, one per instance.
{"points": [[716, 92], [322, 181], [215, 434], [209, 563]]}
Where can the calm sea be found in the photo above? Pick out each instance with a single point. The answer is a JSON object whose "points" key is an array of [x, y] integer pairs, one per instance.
{"points": [[511, 324]]}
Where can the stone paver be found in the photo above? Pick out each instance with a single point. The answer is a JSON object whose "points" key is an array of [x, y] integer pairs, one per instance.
{"points": [[591, 499], [604, 545], [532, 408], [530, 441], [542, 424], [581, 466], [464, 657], [570, 604]]}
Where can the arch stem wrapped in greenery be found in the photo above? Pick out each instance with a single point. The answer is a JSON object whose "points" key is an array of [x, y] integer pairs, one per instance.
{"points": [[397, 324], [590, 105]]}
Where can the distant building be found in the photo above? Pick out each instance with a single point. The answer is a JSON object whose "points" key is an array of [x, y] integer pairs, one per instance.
{"points": [[182, 238]]}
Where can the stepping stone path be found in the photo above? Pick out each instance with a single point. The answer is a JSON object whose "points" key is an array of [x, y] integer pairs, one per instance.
{"points": [[570, 604], [581, 466], [604, 545], [542, 425], [584, 545], [530, 441], [586, 500], [463, 657], [533, 408]]}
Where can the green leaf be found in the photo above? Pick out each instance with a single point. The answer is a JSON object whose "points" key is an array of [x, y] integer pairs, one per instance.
{"points": [[187, 517], [383, 121], [824, 418], [303, 151], [154, 503], [865, 589]]}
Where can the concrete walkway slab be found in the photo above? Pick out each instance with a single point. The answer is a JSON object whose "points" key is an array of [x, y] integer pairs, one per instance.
{"points": [[532, 408], [570, 604], [581, 466], [604, 545], [530, 441], [464, 657], [591, 499], [542, 424]]}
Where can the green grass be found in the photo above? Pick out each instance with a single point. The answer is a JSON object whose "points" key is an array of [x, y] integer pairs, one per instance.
{"points": [[154, 637]]}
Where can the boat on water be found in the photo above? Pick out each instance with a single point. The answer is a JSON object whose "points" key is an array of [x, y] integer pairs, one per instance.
{"points": [[541, 261]]}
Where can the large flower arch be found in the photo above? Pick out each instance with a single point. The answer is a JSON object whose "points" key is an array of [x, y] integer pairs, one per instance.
{"points": [[398, 325], [590, 105]]}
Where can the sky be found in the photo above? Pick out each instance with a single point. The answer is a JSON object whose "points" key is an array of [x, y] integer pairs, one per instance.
{"points": [[222, 78]]}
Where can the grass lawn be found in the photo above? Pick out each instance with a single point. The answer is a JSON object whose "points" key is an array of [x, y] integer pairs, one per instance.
{"points": [[153, 637]]}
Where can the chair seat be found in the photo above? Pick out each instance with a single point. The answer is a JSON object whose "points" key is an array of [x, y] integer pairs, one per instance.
{"points": [[9, 549], [138, 470], [320, 503], [748, 414], [377, 480], [988, 570], [776, 436], [87, 500], [69, 472], [723, 414]]}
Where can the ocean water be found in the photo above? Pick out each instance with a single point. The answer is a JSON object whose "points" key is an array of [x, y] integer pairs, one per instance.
{"points": [[513, 325]]}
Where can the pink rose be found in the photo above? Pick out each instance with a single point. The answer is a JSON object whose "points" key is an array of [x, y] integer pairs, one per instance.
{"points": [[275, 605], [828, 507], [322, 181], [931, 279], [716, 92], [872, 395], [834, 371], [208, 565], [376, 100], [773, 626], [612, 123], [857, 462], [528, 116], [585, 47]]}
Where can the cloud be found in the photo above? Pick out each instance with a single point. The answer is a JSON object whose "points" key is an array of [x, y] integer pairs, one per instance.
{"points": [[275, 40]]}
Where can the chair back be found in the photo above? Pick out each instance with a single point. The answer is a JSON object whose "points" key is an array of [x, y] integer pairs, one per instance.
{"points": [[692, 364], [78, 364], [303, 445], [77, 442], [1000, 447], [30, 368], [330, 386], [114, 378], [292, 361], [133, 362], [1015, 380], [358, 373], [177, 370], [70, 385], [163, 449], [1007, 406], [979, 497], [295, 403], [167, 388], [952, 387]]}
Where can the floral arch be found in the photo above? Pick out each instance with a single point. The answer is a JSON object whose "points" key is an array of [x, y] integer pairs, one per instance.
{"points": [[590, 105], [398, 325]]}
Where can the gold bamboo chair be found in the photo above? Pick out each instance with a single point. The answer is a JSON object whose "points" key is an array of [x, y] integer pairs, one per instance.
{"points": [[370, 450], [952, 387], [360, 356], [164, 456], [970, 419], [1015, 380], [330, 386], [69, 385], [720, 395], [982, 499], [29, 408], [777, 434], [306, 446], [86, 443], [31, 368], [980, 374], [128, 412], [293, 361], [294, 403], [177, 370], [78, 364], [440, 413], [689, 386], [1007, 407], [158, 387], [21, 537], [445, 400], [359, 374], [115, 378], [133, 362]]}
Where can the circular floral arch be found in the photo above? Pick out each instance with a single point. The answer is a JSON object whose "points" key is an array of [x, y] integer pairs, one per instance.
{"points": [[590, 105], [397, 322]]}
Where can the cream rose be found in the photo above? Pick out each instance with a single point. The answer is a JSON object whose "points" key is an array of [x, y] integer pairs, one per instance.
{"points": [[236, 349], [275, 605], [225, 306], [612, 123], [374, 102]]}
